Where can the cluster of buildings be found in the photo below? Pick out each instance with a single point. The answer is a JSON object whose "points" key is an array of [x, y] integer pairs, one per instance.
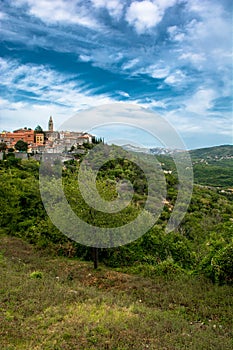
{"points": [[49, 141]]}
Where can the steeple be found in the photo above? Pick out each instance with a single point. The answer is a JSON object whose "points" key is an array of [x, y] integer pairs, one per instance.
{"points": [[50, 123]]}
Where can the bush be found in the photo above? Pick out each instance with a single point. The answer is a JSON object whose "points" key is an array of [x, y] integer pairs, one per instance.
{"points": [[36, 274], [222, 265], [168, 267]]}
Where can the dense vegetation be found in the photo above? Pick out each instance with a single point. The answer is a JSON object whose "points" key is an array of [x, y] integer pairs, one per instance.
{"points": [[202, 244]]}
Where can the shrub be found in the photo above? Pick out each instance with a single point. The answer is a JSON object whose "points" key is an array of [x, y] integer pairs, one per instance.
{"points": [[36, 274], [168, 267], [222, 265]]}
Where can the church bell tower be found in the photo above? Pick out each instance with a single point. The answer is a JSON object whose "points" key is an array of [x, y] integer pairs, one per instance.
{"points": [[50, 123]]}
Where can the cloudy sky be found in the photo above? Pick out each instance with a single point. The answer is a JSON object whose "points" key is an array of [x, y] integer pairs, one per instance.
{"points": [[59, 57]]}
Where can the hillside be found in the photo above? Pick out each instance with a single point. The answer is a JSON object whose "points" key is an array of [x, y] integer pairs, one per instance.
{"points": [[213, 153], [162, 291], [212, 166], [63, 304]]}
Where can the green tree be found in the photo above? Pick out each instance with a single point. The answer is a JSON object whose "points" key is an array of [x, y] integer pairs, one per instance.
{"points": [[21, 146], [3, 146]]}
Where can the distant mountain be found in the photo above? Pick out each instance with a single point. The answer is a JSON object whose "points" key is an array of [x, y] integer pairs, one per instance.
{"points": [[154, 150], [214, 153], [136, 149]]}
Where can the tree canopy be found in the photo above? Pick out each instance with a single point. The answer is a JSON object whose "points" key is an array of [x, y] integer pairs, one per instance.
{"points": [[21, 146], [3, 146]]}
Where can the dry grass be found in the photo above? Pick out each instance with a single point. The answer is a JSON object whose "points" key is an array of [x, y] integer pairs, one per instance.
{"points": [[67, 305]]}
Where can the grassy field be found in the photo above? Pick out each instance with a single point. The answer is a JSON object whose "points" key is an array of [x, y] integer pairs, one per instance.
{"points": [[60, 303]]}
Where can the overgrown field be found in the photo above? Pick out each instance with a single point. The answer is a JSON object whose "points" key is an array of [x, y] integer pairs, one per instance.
{"points": [[63, 304]]}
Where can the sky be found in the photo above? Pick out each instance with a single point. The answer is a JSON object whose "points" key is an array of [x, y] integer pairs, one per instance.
{"points": [[172, 57]]}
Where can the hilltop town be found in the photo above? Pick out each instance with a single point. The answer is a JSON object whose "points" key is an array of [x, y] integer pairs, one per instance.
{"points": [[39, 141]]}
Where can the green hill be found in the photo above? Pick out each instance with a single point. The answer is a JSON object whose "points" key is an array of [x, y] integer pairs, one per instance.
{"points": [[212, 166], [212, 153]]}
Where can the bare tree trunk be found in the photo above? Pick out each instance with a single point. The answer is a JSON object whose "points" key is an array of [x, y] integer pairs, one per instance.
{"points": [[95, 257]]}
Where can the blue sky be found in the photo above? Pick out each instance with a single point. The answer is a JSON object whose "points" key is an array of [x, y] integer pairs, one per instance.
{"points": [[171, 56]]}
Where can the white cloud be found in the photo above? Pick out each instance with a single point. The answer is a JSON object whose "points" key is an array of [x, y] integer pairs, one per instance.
{"points": [[197, 60], [176, 78], [201, 101], [164, 4], [163, 71], [143, 15], [206, 39], [176, 34], [105, 57], [179, 37], [130, 64], [72, 12], [202, 8], [123, 93], [114, 7], [193, 57], [151, 103], [28, 77], [147, 14], [212, 31], [85, 58], [157, 71]]}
